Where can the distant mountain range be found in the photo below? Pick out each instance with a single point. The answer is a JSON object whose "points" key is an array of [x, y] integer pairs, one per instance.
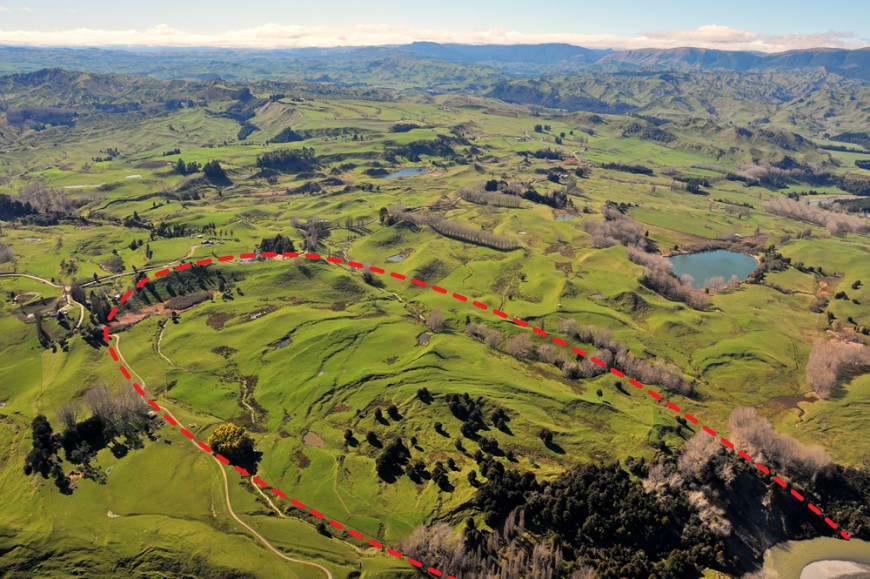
{"points": [[481, 61], [848, 63]]}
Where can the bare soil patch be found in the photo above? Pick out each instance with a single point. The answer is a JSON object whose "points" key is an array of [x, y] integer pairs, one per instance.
{"points": [[218, 321], [313, 439]]}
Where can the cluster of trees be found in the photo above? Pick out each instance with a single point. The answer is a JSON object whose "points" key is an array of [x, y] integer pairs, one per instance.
{"points": [[546, 153], [616, 229], [758, 437], [183, 168], [100, 307], [170, 230], [637, 169], [38, 117], [288, 160], [234, 443], [278, 244], [489, 336], [112, 416], [442, 146], [836, 223], [491, 197], [392, 460], [648, 133], [45, 200], [600, 516], [460, 231], [470, 411], [658, 372], [829, 359], [182, 302], [556, 199], [403, 127], [664, 282], [6, 253]]}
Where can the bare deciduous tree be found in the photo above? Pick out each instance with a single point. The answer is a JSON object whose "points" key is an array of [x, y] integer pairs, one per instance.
{"points": [[828, 359], [435, 321]]}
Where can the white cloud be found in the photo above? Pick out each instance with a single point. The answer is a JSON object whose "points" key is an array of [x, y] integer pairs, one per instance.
{"points": [[4, 9], [291, 36]]}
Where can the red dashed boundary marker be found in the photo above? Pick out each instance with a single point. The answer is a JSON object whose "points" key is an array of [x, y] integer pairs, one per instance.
{"points": [[461, 298]]}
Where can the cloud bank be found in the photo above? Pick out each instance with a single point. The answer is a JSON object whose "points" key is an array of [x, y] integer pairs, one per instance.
{"points": [[293, 36]]}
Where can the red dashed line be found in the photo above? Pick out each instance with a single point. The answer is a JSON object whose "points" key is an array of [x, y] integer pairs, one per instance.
{"points": [[434, 571], [457, 296], [265, 254], [112, 313]]}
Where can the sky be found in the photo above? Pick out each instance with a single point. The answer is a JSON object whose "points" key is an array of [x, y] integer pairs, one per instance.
{"points": [[762, 25]]}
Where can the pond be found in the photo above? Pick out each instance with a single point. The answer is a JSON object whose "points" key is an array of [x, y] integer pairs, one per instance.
{"points": [[713, 268], [396, 258], [821, 558], [406, 172]]}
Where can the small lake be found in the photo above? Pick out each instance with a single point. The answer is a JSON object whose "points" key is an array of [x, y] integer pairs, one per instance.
{"points": [[406, 172], [396, 258], [801, 559], [706, 265]]}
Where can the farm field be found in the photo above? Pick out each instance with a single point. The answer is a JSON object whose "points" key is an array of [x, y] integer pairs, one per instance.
{"points": [[382, 402]]}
